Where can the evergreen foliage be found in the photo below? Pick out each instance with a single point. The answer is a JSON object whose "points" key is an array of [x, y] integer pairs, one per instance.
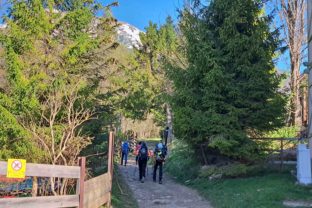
{"points": [[55, 60], [158, 44], [229, 89]]}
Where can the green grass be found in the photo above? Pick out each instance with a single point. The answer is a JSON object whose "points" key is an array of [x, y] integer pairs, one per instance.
{"points": [[267, 191], [152, 140], [122, 196], [265, 187]]}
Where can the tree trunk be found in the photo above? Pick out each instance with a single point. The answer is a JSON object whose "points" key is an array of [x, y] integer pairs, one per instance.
{"points": [[34, 190], [169, 117], [203, 154], [296, 118], [292, 14], [304, 109]]}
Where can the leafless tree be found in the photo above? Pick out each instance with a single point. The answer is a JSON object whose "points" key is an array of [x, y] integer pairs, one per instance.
{"points": [[292, 16], [59, 131]]}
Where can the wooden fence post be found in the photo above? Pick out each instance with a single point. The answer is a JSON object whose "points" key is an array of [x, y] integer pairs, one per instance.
{"points": [[110, 163], [82, 164], [282, 154]]}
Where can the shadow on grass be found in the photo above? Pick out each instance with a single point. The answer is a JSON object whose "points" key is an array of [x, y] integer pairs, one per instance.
{"points": [[122, 196], [268, 189]]}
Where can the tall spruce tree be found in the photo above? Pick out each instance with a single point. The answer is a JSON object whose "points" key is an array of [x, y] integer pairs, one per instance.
{"points": [[229, 90]]}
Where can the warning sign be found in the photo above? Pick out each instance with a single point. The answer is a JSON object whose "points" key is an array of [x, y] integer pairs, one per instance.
{"points": [[16, 168]]}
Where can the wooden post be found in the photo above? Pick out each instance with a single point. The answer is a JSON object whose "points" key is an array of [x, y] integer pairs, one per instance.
{"points": [[82, 164], [110, 164], [309, 22], [282, 154]]}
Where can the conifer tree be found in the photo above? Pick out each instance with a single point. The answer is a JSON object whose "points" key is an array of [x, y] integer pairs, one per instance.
{"points": [[229, 90]]}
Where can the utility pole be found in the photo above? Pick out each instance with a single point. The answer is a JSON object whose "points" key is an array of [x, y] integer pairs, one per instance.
{"points": [[309, 15], [304, 174]]}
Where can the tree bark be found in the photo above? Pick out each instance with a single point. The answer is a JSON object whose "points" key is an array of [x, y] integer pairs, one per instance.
{"points": [[292, 13], [34, 190], [296, 109], [169, 117]]}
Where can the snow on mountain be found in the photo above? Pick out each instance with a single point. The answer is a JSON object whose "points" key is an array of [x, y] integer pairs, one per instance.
{"points": [[129, 36]]}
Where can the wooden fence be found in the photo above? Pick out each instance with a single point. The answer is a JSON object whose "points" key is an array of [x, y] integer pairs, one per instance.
{"points": [[283, 145], [89, 194]]}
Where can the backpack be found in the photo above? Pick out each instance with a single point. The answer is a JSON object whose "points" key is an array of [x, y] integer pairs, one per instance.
{"points": [[143, 154], [160, 152], [125, 147]]}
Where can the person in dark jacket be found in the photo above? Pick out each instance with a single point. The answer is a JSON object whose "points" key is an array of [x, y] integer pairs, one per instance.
{"points": [[166, 134], [136, 152], [142, 160]]}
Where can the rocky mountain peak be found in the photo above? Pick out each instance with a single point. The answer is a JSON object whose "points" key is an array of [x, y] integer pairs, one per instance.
{"points": [[129, 35]]}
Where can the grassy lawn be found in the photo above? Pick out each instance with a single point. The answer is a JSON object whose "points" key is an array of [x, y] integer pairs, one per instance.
{"points": [[122, 196], [269, 190]]}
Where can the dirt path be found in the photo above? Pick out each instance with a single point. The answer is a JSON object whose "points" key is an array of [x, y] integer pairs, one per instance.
{"points": [[166, 195]]}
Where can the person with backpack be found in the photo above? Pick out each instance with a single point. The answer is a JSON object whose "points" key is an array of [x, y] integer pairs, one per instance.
{"points": [[136, 152], [160, 153], [124, 152], [142, 160]]}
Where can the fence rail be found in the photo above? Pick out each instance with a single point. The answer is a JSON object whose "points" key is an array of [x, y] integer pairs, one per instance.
{"points": [[275, 139], [89, 194], [43, 170], [42, 201], [283, 142]]}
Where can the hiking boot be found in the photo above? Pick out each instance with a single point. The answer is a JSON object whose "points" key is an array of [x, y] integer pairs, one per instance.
{"points": [[142, 180], [160, 182]]}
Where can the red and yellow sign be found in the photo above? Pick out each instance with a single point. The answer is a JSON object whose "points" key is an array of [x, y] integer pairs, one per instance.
{"points": [[16, 168]]}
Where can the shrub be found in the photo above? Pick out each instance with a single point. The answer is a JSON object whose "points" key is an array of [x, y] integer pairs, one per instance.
{"points": [[182, 162], [285, 132], [233, 170]]}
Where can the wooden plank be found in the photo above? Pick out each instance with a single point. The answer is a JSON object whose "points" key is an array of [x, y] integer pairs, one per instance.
{"points": [[96, 191], [82, 164], [43, 201], [98, 201], [101, 182], [111, 163], [44, 170], [275, 139], [110, 153]]}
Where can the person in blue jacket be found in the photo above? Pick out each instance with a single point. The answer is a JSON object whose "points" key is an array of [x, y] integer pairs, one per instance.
{"points": [[124, 152]]}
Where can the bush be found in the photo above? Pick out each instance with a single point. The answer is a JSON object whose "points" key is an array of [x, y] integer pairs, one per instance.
{"points": [[229, 171], [285, 132], [182, 163]]}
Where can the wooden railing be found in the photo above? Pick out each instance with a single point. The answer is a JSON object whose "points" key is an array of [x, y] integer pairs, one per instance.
{"points": [[280, 151], [89, 194]]}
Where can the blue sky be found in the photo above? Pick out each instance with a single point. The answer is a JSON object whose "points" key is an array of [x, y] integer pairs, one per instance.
{"points": [[137, 12], [140, 12]]}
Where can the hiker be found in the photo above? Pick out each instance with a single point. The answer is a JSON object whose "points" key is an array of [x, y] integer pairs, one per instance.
{"points": [[136, 152], [142, 160], [124, 152], [160, 153], [166, 134]]}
